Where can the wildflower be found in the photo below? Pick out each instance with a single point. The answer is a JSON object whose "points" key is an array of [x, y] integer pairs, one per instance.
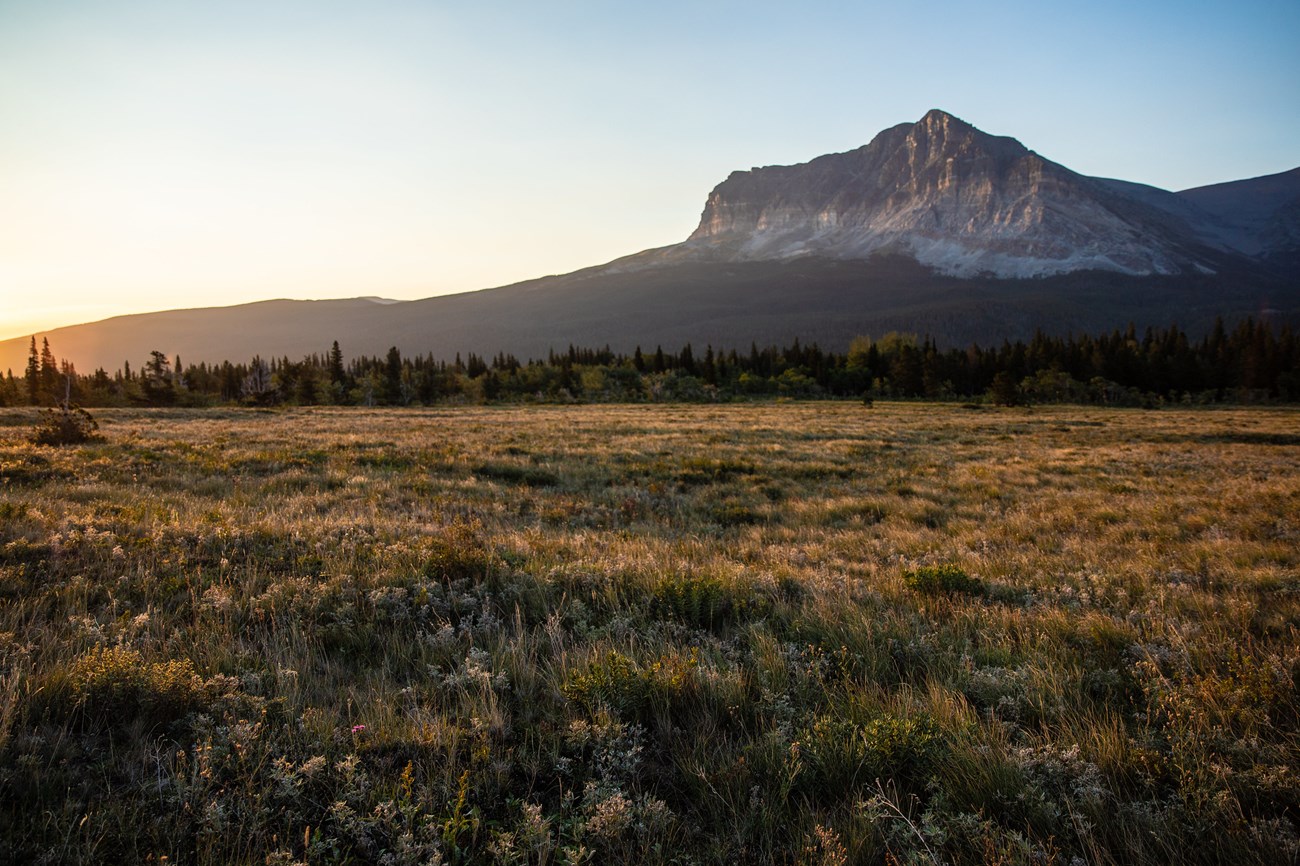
{"points": [[611, 816], [358, 729]]}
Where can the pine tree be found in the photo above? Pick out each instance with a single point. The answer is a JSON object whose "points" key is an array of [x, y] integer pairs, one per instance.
{"points": [[686, 360], [1004, 390], [49, 373], [157, 380], [9, 392], [708, 369], [336, 372], [33, 376], [393, 376]]}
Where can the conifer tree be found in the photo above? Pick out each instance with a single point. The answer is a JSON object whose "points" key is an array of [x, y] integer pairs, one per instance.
{"points": [[336, 371], [393, 376], [49, 373], [709, 369], [33, 376], [157, 380], [686, 360]]}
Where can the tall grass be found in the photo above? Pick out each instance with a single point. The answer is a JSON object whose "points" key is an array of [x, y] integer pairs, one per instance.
{"points": [[743, 634]]}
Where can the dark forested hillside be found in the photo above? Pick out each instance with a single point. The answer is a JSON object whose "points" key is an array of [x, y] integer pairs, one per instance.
{"points": [[725, 304], [1253, 362]]}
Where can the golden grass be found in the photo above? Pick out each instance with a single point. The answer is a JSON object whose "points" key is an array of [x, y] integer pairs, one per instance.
{"points": [[559, 633]]}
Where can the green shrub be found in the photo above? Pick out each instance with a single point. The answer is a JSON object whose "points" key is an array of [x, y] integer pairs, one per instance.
{"points": [[29, 469], [12, 510], [707, 470], [512, 473], [388, 461], [66, 425], [458, 552], [633, 691], [732, 513], [947, 578], [704, 601], [114, 685], [842, 756], [612, 680]]}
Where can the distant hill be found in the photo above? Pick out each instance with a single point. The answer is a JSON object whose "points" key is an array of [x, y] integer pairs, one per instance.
{"points": [[933, 227]]}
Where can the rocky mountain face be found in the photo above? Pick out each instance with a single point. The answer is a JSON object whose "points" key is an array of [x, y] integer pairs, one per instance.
{"points": [[966, 203]]}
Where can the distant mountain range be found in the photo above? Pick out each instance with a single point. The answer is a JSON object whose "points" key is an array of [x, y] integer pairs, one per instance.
{"points": [[933, 227]]}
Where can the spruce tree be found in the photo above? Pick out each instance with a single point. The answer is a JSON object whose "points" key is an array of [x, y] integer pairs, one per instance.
{"points": [[49, 373], [336, 372], [33, 376], [393, 376], [157, 380]]}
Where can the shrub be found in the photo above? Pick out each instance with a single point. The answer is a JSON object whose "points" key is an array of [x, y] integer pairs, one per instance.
{"points": [[843, 756], [612, 680], [29, 469], [513, 474], [903, 747], [115, 685], [705, 602], [631, 690], [1004, 390], [456, 553], [66, 425], [732, 513], [709, 470], [947, 578]]}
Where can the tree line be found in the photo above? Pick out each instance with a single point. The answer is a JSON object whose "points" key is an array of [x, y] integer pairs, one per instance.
{"points": [[1249, 363]]}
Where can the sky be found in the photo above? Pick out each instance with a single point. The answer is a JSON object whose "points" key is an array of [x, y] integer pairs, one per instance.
{"points": [[158, 154]]}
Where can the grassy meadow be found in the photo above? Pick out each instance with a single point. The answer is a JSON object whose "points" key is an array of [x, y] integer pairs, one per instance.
{"points": [[812, 633]]}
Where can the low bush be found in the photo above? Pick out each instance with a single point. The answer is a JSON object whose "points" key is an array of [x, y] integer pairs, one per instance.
{"points": [[842, 757], [947, 578], [66, 425], [115, 686], [705, 601], [632, 690], [511, 473]]}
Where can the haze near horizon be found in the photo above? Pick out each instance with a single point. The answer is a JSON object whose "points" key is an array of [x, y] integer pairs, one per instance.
{"points": [[160, 156]]}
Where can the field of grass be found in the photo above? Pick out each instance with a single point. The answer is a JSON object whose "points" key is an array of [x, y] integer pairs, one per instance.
{"points": [[801, 633]]}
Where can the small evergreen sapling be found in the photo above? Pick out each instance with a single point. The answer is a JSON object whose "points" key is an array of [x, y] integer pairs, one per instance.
{"points": [[66, 423]]}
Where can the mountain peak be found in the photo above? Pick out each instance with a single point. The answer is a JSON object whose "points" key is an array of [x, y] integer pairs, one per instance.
{"points": [[938, 118], [944, 193], [939, 133]]}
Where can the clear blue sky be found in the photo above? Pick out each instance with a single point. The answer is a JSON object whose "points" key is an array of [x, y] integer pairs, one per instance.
{"points": [[178, 153]]}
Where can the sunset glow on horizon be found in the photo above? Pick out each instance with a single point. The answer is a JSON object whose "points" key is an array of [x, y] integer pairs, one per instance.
{"points": [[158, 155]]}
